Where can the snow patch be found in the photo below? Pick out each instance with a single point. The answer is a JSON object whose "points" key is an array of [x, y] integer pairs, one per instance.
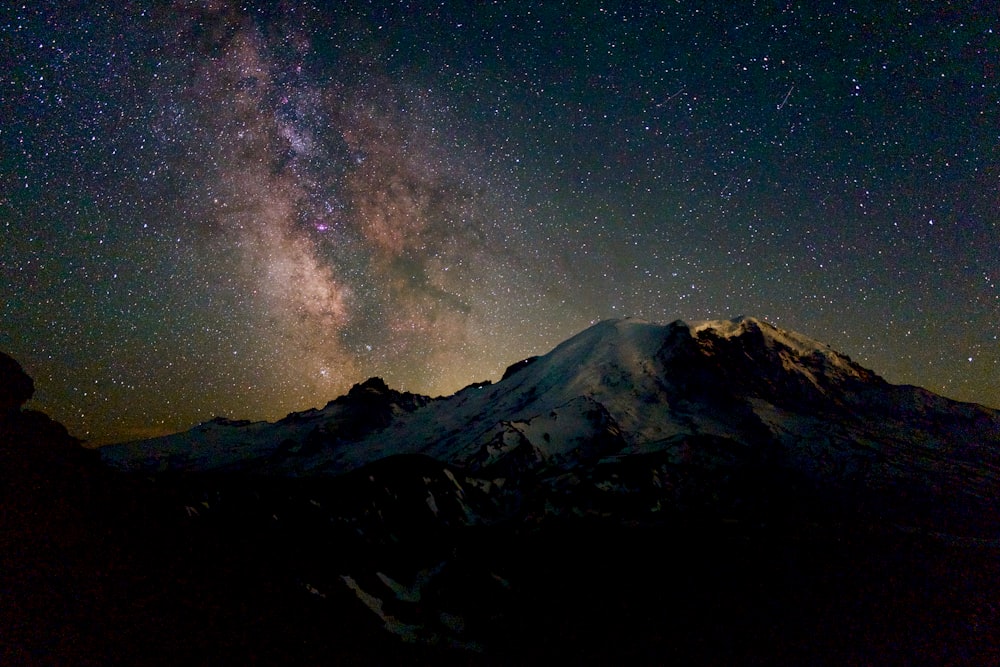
{"points": [[405, 631]]}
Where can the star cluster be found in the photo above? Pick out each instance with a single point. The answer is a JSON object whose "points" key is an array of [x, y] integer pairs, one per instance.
{"points": [[244, 208]]}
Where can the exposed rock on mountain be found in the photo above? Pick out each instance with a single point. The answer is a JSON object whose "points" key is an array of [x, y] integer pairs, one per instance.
{"points": [[16, 387]]}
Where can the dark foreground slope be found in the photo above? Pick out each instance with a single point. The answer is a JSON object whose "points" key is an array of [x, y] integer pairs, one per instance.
{"points": [[727, 493], [98, 568]]}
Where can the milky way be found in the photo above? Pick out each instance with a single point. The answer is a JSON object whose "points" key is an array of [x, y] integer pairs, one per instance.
{"points": [[351, 220], [244, 208]]}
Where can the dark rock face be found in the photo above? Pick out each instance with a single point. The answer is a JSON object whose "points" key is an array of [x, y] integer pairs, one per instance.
{"points": [[29, 433], [16, 387], [375, 391], [48, 550], [375, 399], [514, 368], [367, 407]]}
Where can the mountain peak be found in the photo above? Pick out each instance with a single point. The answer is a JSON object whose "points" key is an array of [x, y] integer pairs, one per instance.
{"points": [[372, 385], [791, 347]]}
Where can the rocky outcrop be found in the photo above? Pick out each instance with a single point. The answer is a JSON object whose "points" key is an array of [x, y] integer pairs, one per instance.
{"points": [[16, 386]]}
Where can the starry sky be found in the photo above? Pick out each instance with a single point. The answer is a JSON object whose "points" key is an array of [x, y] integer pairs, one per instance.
{"points": [[243, 208]]}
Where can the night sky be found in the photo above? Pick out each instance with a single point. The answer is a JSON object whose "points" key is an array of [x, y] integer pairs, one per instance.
{"points": [[241, 209]]}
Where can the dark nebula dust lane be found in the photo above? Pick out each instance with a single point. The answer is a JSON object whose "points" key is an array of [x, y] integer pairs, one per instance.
{"points": [[244, 208]]}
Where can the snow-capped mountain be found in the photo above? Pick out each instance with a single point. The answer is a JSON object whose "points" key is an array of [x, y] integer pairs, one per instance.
{"points": [[736, 395], [719, 492]]}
